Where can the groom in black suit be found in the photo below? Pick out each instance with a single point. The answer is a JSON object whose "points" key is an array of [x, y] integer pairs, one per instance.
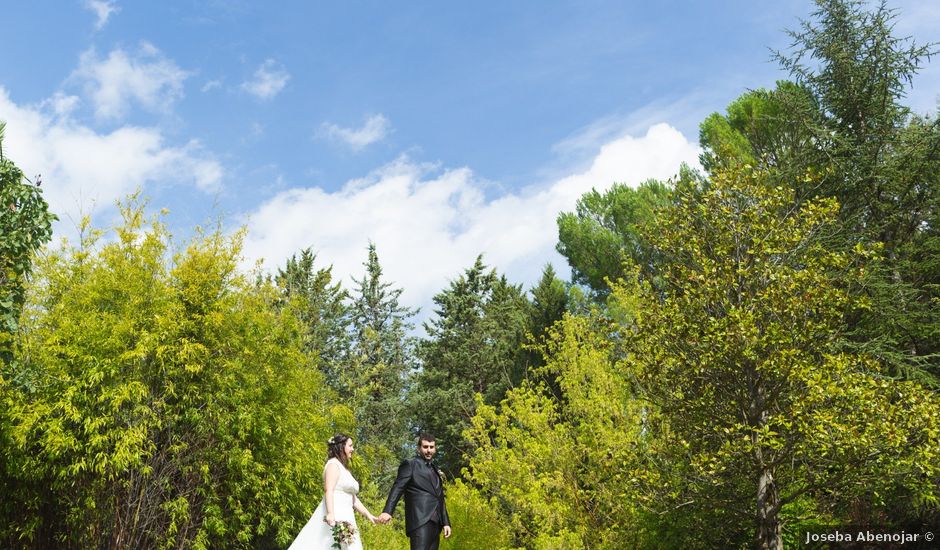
{"points": [[420, 482]]}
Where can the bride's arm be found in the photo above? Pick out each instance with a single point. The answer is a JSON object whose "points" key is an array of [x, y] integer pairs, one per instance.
{"points": [[330, 477], [361, 508]]}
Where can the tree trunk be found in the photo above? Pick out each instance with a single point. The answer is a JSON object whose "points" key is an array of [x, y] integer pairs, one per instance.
{"points": [[768, 496], [769, 535]]}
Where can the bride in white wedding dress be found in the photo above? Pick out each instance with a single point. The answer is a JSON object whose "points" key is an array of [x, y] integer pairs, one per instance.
{"points": [[339, 499]]}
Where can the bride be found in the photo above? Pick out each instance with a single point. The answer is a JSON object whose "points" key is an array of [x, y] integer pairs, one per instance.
{"points": [[339, 500]]}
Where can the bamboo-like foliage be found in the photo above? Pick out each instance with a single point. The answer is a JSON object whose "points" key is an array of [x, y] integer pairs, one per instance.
{"points": [[159, 402]]}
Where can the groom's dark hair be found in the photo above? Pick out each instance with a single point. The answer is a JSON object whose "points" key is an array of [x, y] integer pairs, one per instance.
{"points": [[425, 436]]}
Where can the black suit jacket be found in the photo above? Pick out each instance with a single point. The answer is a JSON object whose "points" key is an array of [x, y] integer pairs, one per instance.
{"points": [[423, 502]]}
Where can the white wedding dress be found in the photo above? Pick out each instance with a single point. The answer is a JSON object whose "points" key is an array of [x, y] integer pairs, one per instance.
{"points": [[317, 535]]}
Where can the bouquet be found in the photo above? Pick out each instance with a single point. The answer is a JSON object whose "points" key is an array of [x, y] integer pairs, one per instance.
{"points": [[343, 534]]}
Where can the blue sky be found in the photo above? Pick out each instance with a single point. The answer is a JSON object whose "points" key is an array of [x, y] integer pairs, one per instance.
{"points": [[437, 130]]}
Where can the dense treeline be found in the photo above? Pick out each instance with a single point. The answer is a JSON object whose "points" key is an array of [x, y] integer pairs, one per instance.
{"points": [[743, 353]]}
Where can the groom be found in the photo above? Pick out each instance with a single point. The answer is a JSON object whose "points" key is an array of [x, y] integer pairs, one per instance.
{"points": [[421, 483]]}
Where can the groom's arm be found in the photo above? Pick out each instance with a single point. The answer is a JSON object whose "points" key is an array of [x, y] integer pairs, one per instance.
{"points": [[444, 517], [398, 488]]}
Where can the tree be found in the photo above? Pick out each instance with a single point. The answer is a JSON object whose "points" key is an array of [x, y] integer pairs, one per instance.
{"points": [[761, 129], [323, 310], [739, 349], [605, 229], [474, 346], [843, 119], [558, 468], [159, 402], [549, 302], [548, 306], [380, 364], [25, 224]]}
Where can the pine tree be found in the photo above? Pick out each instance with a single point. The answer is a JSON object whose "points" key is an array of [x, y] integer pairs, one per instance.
{"points": [[381, 361], [321, 306], [474, 347], [549, 301], [549, 304]]}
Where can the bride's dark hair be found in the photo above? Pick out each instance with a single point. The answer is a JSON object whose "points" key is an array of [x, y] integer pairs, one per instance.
{"points": [[336, 448]]}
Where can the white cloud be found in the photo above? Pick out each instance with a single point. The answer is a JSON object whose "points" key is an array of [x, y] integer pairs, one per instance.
{"points": [[375, 129], [429, 224], [84, 171], [148, 79], [103, 10], [268, 80], [684, 113], [62, 105], [211, 85]]}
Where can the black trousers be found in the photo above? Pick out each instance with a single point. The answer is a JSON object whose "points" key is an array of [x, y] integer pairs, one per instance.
{"points": [[426, 537]]}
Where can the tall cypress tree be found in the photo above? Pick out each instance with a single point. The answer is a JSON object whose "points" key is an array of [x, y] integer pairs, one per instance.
{"points": [[381, 360], [321, 306], [549, 301], [549, 304]]}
